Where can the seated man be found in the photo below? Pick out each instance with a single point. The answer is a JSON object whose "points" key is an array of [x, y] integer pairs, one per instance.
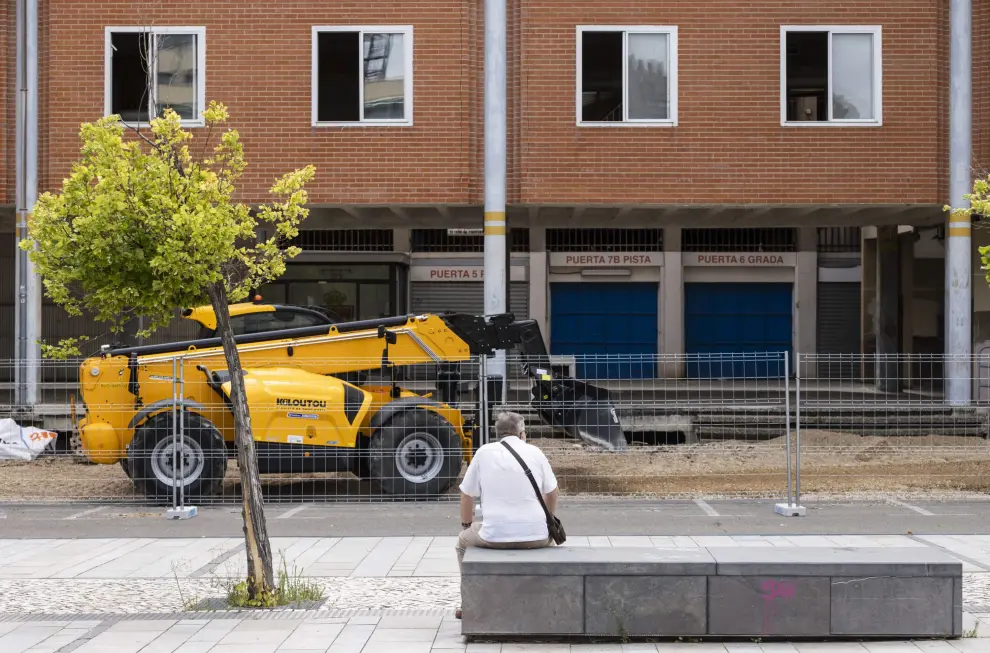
{"points": [[513, 517]]}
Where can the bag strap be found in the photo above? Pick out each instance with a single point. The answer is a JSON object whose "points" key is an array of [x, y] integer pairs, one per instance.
{"points": [[529, 475]]}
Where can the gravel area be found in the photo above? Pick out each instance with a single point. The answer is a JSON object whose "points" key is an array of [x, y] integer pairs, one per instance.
{"points": [[84, 596], [836, 465]]}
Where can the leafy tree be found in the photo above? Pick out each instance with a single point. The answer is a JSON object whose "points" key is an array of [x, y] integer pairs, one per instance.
{"points": [[142, 226], [978, 209]]}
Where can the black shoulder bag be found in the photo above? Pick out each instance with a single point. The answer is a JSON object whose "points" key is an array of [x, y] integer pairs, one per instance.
{"points": [[554, 527]]}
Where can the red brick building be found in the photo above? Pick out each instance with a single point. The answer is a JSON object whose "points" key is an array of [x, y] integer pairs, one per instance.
{"points": [[654, 150]]}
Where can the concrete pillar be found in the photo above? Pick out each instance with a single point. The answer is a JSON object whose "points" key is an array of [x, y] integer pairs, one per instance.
{"points": [[806, 299], [868, 294], [887, 315], [907, 302], [402, 240], [539, 304], [672, 305]]}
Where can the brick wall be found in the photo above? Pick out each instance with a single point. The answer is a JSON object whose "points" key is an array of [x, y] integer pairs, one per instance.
{"points": [[8, 45], [729, 145], [258, 63], [981, 87]]}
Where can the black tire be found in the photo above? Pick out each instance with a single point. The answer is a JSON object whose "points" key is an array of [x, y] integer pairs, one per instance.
{"points": [[126, 466], [205, 461], [416, 453]]}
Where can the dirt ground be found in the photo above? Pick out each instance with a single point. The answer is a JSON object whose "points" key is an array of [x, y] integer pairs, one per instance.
{"points": [[832, 464]]}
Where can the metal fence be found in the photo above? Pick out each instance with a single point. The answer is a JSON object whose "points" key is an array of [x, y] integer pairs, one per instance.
{"points": [[764, 425]]}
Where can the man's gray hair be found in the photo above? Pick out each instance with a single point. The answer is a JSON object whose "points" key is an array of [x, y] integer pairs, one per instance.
{"points": [[509, 424]]}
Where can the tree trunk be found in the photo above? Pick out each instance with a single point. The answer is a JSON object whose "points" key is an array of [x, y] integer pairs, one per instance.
{"points": [[261, 577]]}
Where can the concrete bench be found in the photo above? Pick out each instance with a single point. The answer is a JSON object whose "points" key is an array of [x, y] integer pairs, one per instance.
{"points": [[828, 593]]}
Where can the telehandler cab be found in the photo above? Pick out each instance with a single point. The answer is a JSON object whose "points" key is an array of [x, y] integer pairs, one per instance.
{"points": [[312, 408]]}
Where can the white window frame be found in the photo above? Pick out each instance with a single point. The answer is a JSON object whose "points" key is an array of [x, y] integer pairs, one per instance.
{"points": [[406, 31], [671, 32], [199, 32], [875, 30]]}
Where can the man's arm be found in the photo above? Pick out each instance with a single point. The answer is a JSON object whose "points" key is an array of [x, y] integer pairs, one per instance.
{"points": [[550, 499], [467, 509]]}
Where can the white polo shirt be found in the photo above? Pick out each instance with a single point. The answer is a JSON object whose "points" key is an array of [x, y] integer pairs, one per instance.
{"points": [[511, 510]]}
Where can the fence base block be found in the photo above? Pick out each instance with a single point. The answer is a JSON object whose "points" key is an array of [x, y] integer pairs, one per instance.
{"points": [[186, 512], [790, 510]]}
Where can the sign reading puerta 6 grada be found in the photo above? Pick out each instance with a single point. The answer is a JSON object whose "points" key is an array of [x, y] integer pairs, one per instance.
{"points": [[747, 259]]}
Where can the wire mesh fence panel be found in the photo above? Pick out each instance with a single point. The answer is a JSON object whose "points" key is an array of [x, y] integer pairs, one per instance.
{"points": [[632, 425], [884, 427], [333, 429], [351, 429]]}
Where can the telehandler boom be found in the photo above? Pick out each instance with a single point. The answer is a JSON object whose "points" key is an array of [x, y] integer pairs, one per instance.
{"points": [[311, 408]]}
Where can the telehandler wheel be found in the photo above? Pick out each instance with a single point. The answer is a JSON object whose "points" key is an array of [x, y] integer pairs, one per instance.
{"points": [[201, 455], [416, 453], [125, 464]]}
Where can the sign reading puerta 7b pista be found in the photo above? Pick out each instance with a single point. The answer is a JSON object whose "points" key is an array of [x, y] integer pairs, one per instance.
{"points": [[606, 260]]}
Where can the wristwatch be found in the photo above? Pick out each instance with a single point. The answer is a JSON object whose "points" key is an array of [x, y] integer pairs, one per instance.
{"points": [[467, 525]]}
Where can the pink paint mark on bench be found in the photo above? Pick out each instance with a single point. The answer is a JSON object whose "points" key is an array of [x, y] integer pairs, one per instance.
{"points": [[773, 591]]}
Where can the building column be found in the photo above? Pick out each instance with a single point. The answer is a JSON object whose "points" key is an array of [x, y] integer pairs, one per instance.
{"points": [[907, 241], [672, 305], [806, 299], [539, 307], [887, 315]]}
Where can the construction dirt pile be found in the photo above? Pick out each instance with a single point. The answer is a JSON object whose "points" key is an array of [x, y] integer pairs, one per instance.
{"points": [[832, 464]]}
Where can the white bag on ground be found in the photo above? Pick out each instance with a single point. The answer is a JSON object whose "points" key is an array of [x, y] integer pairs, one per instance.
{"points": [[27, 443]]}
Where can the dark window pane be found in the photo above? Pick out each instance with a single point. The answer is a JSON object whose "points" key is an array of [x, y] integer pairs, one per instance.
{"points": [[274, 321], [601, 76], [338, 77], [807, 76], [129, 76]]}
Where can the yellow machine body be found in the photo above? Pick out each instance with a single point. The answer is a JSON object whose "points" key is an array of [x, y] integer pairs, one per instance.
{"points": [[291, 394]]}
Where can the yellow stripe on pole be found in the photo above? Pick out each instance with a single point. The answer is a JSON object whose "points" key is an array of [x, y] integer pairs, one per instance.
{"points": [[963, 232], [494, 230], [494, 216]]}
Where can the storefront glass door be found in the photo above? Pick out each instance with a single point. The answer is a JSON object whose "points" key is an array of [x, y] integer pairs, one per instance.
{"points": [[352, 292]]}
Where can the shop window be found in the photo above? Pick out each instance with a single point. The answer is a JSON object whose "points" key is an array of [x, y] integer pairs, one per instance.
{"points": [[627, 75], [831, 75], [455, 240], [344, 240], [151, 69], [772, 239], [604, 240], [362, 75], [839, 239]]}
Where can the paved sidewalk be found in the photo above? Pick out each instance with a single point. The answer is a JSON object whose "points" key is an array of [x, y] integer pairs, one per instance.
{"points": [[163, 575], [389, 634]]}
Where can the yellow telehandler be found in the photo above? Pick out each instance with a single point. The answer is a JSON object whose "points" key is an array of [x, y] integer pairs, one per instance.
{"points": [[313, 408]]}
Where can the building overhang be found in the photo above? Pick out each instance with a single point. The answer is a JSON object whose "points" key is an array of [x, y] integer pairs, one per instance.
{"points": [[324, 216]]}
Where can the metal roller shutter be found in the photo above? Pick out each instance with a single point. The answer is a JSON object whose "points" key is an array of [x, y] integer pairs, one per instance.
{"points": [[464, 297], [737, 330], [610, 327], [838, 328]]}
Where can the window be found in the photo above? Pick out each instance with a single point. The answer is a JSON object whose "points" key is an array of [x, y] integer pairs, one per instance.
{"points": [[830, 75], [627, 75], [277, 320], [149, 69], [362, 75]]}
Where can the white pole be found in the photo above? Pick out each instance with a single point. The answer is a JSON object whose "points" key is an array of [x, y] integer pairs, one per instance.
{"points": [[495, 146], [958, 250], [27, 308]]}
